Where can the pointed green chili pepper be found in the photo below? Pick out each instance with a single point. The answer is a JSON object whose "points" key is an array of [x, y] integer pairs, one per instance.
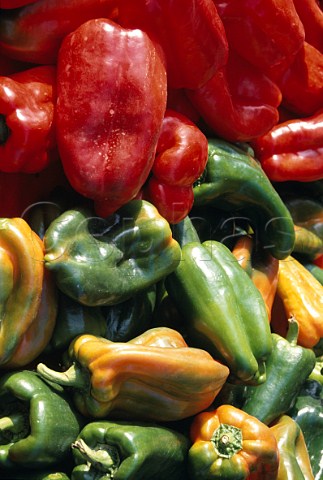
{"points": [[124, 450], [99, 261], [234, 180], [37, 422], [288, 367]]}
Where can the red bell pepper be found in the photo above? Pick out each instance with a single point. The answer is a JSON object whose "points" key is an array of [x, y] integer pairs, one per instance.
{"points": [[311, 15], [267, 33], [301, 85], [14, 3], [293, 150], [191, 35], [108, 127], [239, 103], [27, 104], [35, 32], [181, 157]]}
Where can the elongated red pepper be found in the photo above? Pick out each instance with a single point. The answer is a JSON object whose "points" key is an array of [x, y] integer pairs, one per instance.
{"points": [[311, 15], [301, 85], [239, 103], [35, 32], [181, 156], [268, 33], [191, 35], [293, 150], [27, 104], [108, 127]]}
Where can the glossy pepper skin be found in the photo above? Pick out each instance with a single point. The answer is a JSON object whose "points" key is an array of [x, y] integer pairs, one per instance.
{"points": [[99, 261], [288, 367], [228, 443], [239, 103], [34, 33], [28, 296], [153, 377], [181, 157], [37, 424], [130, 450], [109, 127], [234, 181], [307, 412], [292, 150], [27, 104], [294, 461], [191, 35], [311, 15], [268, 36], [209, 290]]}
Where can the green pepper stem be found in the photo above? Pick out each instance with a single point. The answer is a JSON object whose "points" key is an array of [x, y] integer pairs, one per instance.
{"points": [[292, 333], [4, 130], [103, 459], [227, 440], [14, 423], [74, 376]]}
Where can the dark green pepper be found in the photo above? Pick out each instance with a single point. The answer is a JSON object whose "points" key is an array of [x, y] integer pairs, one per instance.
{"points": [[34, 475], [234, 181], [37, 423], [99, 261], [127, 450], [288, 367], [224, 311], [307, 411]]}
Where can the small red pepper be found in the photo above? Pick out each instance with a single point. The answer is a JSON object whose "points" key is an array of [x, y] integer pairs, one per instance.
{"points": [[311, 16], [181, 156], [267, 33], [293, 150], [301, 85], [191, 35], [35, 32], [27, 104], [239, 103], [110, 110]]}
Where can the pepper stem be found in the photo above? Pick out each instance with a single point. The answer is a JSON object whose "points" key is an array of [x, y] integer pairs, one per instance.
{"points": [[74, 376], [227, 440], [105, 459], [4, 130], [293, 328]]}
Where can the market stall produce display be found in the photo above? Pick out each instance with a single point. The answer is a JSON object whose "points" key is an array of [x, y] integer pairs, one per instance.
{"points": [[161, 239]]}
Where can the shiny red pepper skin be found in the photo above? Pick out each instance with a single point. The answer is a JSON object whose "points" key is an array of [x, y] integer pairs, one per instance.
{"points": [[108, 127], [293, 150], [181, 157], [239, 103], [190, 33], [35, 32], [311, 16], [267, 33], [27, 105]]}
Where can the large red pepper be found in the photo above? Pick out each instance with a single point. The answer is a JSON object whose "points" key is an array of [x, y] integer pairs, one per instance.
{"points": [[239, 103], [181, 156], [27, 105], [110, 110], [293, 150], [35, 32], [311, 15], [267, 33], [301, 85], [190, 33]]}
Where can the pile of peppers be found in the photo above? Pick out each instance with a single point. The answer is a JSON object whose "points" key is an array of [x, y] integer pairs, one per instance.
{"points": [[161, 239]]}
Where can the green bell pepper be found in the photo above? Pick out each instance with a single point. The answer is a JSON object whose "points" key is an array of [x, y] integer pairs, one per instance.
{"points": [[128, 450], [118, 323], [234, 181], [37, 423], [224, 311], [35, 475], [99, 261], [288, 367], [307, 411]]}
